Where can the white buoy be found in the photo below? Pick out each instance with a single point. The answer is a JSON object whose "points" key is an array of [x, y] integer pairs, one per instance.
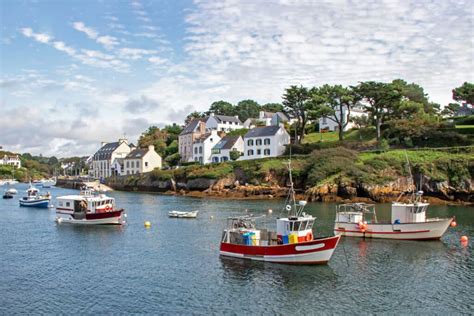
{"points": [[270, 211]]}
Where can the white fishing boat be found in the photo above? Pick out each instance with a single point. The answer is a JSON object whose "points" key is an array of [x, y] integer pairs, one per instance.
{"points": [[178, 214], [33, 198], [291, 243], [88, 208], [408, 221]]}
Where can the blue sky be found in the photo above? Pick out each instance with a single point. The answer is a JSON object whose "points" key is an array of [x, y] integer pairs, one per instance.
{"points": [[74, 73]]}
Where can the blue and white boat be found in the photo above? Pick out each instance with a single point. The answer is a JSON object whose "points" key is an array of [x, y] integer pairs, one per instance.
{"points": [[34, 199]]}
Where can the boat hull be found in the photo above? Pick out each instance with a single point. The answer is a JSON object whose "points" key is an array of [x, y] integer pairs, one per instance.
{"points": [[42, 203], [109, 218], [432, 229], [175, 214], [317, 251]]}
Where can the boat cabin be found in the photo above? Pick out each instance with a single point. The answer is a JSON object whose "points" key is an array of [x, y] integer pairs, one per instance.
{"points": [[86, 202], [295, 229], [355, 213], [409, 212]]}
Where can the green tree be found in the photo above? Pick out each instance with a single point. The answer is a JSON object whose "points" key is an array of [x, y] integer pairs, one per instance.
{"points": [[295, 101], [451, 109], [272, 107], [194, 115], [238, 132], [381, 98], [173, 160], [222, 108], [247, 109], [464, 93], [335, 103]]}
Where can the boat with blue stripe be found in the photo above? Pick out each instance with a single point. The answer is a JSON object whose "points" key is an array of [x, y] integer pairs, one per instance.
{"points": [[34, 199]]}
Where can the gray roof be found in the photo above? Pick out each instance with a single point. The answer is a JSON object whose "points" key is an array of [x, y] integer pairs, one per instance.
{"points": [[137, 153], [190, 127], [227, 142], [282, 116], [262, 131], [221, 118], [105, 152]]}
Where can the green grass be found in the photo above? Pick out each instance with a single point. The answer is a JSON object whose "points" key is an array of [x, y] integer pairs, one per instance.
{"points": [[354, 135]]}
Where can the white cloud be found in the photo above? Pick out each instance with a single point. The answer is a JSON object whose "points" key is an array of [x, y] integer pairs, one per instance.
{"points": [[135, 53], [81, 27], [39, 37], [108, 41]]}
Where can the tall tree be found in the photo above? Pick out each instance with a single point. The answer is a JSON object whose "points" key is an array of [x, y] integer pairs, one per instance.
{"points": [[221, 108], [295, 102], [272, 107], [451, 109], [246, 109], [414, 99], [464, 93], [381, 98], [194, 115], [336, 103]]}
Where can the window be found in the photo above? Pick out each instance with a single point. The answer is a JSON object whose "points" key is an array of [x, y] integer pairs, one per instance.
{"points": [[250, 152], [200, 150], [266, 152], [195, 150], [211, 139], [324, 120], [266, 141], [258, 142], [68, 204], [250, 142], [137, 164], [128, 164], [215, 159], [224, 159], [146, 163], [259, 151]]}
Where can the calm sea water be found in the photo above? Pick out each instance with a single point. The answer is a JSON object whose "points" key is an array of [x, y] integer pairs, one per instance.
{"points": [[174, 267]]}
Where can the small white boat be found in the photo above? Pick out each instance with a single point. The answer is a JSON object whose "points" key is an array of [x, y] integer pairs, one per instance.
{"points": [[48, 183], [88, 208], [178, 214], [11, 191]]}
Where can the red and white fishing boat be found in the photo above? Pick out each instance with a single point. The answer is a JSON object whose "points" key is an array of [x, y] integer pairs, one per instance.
{"points": [[291, 243], [88, 208], [408, 221]]}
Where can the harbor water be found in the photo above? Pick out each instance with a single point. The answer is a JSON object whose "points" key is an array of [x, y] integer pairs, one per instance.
{"points": [[174, 266]]}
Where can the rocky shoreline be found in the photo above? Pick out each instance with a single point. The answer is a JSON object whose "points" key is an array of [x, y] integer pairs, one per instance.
{"points": [[230, 188]]}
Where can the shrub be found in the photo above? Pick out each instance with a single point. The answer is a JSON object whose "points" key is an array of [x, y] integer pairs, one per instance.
{"points": [[330, 162]]}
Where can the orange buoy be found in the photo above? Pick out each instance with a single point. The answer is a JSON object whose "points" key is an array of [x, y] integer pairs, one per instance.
{"points": [[454, 224], [464, 239]]}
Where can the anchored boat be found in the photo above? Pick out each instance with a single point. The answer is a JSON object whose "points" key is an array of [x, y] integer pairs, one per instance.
{"points": [[178, 214], [291, 243], [408, 221], [34, 199], [88, 208]]}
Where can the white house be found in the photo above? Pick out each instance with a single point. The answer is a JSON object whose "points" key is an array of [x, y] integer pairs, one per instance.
{"points": [[101, 166], [325, 123], [11, 160], [221, 151], [202, 147], [223, 123], [141, 160], [118, 167], [262, 142], [195, 129], [263, 119]]}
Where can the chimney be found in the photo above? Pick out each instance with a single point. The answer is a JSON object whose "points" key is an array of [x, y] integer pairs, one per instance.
{"points": [[261, 114], [211, 114], [151, 148], [236, 116], [102, 144], [123, 140], [202, 127]]}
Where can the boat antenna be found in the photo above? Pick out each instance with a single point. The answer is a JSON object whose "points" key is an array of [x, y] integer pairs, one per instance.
{"points": [[411, 175]]}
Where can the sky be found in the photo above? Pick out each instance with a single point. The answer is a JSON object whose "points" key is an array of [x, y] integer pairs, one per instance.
{"points": [[75, 73]]}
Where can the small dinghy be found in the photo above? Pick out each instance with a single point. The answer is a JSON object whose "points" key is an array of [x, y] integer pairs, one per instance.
{"points": [[7, 195], [178, 214]]}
